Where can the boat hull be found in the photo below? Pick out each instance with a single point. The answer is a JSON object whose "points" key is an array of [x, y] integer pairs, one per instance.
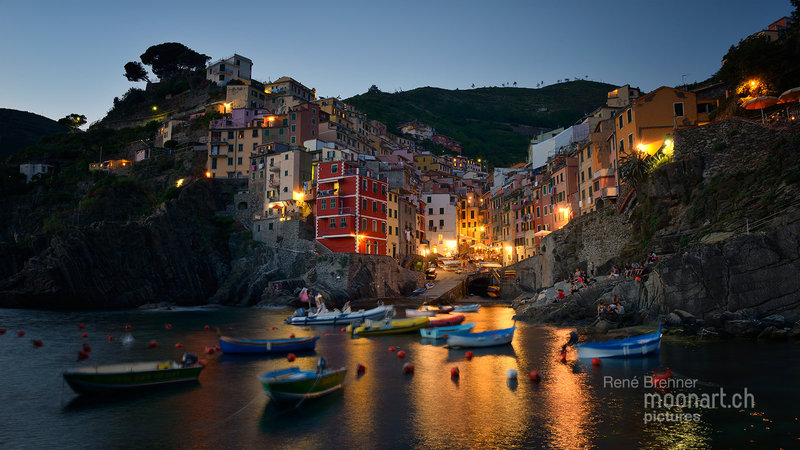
{"points": [[467, 308], [446, 321], [419, 313], [632, 347], [444, 332], [84, 381], [484, 339], [294, 384], [341, 319], [266, 346], [391, 327]]}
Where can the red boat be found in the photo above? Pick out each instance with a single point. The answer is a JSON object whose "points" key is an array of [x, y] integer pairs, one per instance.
{"points": [[447, 321]]}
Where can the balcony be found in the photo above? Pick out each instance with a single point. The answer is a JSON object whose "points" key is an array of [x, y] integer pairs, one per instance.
{"points": [[602, 173], [274, 168], [606, 192]]}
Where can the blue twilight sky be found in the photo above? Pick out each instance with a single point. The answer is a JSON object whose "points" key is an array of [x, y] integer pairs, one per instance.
{"points": [[64, 57]]}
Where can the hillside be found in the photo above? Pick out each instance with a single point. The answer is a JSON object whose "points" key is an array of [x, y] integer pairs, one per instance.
{"points": [[21, 129], [492, 123]]}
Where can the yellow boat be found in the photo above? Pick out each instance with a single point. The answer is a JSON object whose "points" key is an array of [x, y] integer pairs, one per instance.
{"points": [[375, 327]]}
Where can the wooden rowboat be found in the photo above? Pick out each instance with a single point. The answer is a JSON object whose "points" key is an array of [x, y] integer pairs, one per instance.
{"points": [[641, 345], [124, 377], [295, 384], [484, 339], [266, 346]]}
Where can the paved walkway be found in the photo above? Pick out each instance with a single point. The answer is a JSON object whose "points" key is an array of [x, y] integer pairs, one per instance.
{"points": [[445, 282]]}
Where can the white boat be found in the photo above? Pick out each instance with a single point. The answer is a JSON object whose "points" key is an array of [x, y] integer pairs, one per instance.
{"points": [[641, 345], [484, 339], [337, 317], [419, 313], [444, 332], [473, 307]]}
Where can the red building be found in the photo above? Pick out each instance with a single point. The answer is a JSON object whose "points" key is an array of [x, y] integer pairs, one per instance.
{"points": [[350, 208]]}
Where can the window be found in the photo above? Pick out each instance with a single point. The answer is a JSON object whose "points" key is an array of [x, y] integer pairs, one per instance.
{"points": [[621, 146], [255, 132], [334, 168], [286, 157], [230, 161], [630, 141], [363, 224], [383, 227], [374, 187], [269, 225], [620, 122], [374, 206], [214, 163], [286, 173], [390, 230], [383, 208], [441, 210], [285, 189], [630, 111], [678, 107], [294, 140], [230, 134], [239, 160], [364, 204], [582, 178], [374, 226], [324, 204], [429, 199], [366, 185], [333, 202], [430, 211], [294, 117], [441, 222], [343, 222], [285, 122], [332, 223], [294, 128], [472, 214], [430, 224], [230, 148]]}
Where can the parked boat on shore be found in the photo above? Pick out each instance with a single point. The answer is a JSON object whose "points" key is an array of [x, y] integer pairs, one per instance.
{"points": [[338, 317], [483, 339], [266, 346], [634, 346], [444, 332], [125, 377]]}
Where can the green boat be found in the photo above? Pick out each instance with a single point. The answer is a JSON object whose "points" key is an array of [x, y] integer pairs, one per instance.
{"points": [[124, 377], [295, 384]]}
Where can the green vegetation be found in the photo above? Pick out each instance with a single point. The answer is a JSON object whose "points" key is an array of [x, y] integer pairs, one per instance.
{"points": [[495, 124], [20, 129]]}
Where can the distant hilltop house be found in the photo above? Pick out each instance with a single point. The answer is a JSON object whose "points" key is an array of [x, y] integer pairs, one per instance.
{"points": [[30, 170], [224, 71], [110, 165], [418, 129], [448, 142]]}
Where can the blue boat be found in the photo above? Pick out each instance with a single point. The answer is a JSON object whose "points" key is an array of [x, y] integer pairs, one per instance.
{"points": [[444, 332], [484, 339], [266, 346], [641, 345]]}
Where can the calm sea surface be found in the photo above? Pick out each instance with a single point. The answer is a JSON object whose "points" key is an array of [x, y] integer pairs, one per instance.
{"points": [[574, 405]]}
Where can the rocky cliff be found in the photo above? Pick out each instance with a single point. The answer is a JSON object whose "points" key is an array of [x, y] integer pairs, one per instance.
{"points": [[723, 218]]}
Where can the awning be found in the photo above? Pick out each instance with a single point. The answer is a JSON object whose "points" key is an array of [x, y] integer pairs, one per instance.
{"points": [[541, 233]]}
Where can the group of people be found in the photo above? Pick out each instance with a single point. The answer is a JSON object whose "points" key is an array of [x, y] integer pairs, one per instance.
{"points": [[614, 308]]}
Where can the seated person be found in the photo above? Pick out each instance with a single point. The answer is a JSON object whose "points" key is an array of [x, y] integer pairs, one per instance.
{"points": [[619, 308], [601, 308]]}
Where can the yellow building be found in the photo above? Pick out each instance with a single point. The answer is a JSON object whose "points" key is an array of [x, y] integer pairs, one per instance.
{"points": [[471, 223], [645, 124], [232, 140], [392, 222]]}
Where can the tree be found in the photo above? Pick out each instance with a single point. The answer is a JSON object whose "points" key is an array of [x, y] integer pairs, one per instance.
{"points": [[373, 90], [135, 71], [515, 84], [170, 59], [634, 167], [73, 121]]}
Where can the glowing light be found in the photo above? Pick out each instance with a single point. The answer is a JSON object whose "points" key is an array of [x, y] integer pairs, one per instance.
{"points": [[208, 174], [641, 148], [155, 108], [271, 118], [482, 229], [509, 249], [179, 183], [298, 196], [451, 244], [227, 106]]}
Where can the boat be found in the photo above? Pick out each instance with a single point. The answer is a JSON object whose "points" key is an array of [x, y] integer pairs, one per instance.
{"points": [[420, 312], [484, 339], [419, 291], [338, 317], [125, 377], [372, 327], [430, 285], [266, 346], [493, 291], [444, 332], [473, 307], [295, 384], [446, 321], [641, 345]]}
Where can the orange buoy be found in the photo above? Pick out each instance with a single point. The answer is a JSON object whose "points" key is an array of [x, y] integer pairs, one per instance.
{"points": [[596, 362], [361, 369], [290, 357], [178, 345], [37, 343], [110, 338], [638, 278], [327, 334], [127, 326], [273, 328], [343, 329], [152, 344], [392, 348], [535, 377], [401, 354], [469, 355], [169, 326], [82, 355], [454, 373], [408, 368], [20, 333], [87, 348], [291, 336], [81, 326], [84, 335]]}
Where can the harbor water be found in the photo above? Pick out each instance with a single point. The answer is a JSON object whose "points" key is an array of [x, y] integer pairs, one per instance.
{"points": [[575, 405]]}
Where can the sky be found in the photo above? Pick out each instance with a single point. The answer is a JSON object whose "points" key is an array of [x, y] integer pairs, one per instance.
{"points": [[68, 57]]}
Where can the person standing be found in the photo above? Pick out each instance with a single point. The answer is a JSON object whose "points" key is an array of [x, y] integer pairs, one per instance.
{"points": [[591, 270]]}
